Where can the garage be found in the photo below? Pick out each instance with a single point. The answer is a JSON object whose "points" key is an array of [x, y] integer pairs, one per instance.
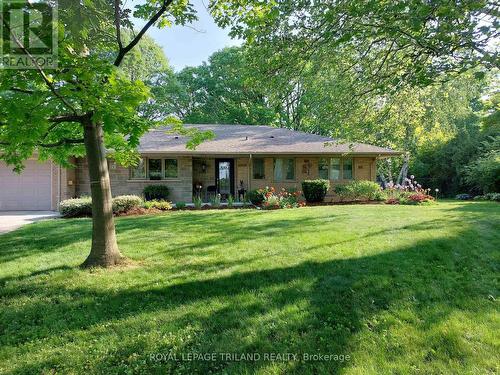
{"points": [[30, 190]]}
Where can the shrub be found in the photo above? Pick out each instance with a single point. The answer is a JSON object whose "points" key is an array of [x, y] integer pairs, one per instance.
{"points": [[315, 190], [480, 198], [360, 190], [180, 205], [156, 192], [215, 201], [463, 197], [483, 174], [493, 197], [124, 203], [256, 196], [230, 201], [342, 191], [159, 205], [76, 207], [197, 201], [368, 190]]}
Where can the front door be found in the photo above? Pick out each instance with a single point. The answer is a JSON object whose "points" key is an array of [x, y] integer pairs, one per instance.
{"points": [[224, 177]]}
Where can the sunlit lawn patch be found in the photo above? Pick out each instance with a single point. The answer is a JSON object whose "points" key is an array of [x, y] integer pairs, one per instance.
{"points": [[402, 289]]}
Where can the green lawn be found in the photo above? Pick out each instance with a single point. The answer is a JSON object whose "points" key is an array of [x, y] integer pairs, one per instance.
{"points": [[398, 289]]}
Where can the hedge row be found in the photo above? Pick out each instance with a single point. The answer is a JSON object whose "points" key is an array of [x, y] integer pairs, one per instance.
{"points": [[78, 207]]}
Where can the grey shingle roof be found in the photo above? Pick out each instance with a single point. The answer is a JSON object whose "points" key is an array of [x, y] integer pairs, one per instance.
{"points": [[254, 139]]}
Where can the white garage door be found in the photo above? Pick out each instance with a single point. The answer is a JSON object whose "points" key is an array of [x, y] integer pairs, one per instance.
{"points": [[29, 190]]}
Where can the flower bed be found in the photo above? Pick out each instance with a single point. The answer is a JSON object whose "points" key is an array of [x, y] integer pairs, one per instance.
{"points": [[269, 198], [411, 192]]}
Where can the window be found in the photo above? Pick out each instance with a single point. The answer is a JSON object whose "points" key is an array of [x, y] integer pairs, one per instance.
{"points": [[323, 169], [154, 167], [258, 169], [347, 169], [139, 171], [170, 168], [335, 168], [284, 169]]}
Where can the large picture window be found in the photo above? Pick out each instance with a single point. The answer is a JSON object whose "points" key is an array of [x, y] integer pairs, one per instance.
{"points": [[347, 169], [284, 169], [157, 169], [170, 168], [323, 168], [258, 169], [138, 172], [335, 168], [154, 169]]}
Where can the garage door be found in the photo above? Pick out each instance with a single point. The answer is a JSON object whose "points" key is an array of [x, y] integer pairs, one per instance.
{"points": [[29, 190]]}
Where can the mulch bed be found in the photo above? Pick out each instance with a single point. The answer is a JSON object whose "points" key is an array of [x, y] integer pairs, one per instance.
{"points": [[139, 211]]}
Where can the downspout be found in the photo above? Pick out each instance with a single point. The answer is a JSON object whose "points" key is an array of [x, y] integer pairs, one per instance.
{"points": [[59, 189]]}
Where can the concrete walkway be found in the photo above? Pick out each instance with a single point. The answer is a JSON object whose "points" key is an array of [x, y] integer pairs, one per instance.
{"points": [[11, 220]]}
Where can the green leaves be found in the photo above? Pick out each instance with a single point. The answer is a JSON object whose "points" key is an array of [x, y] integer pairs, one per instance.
{"points": [[397, 42], [43, 116], [196, 137], [223, 90]]}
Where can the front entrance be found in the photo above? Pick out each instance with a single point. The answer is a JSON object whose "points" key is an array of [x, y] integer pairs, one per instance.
{"points": [[224, 177]]}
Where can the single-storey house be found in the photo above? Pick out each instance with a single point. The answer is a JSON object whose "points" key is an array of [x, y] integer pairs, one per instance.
{"points": [[240, 157]]}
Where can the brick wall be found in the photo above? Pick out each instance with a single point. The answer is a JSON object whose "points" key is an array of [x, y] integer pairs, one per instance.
{"points": [[306, 168], [190, 172], [121, 184]]}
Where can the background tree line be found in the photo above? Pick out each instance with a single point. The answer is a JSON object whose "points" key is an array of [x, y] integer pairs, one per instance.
{"points": [[449, 128]]}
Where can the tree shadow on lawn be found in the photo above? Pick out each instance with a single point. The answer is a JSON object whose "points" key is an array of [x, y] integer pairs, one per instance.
{"points": [[43, 237], [311, 307]]}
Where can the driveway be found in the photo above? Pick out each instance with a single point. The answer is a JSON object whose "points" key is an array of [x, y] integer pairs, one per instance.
{"points": [[10, 220]]}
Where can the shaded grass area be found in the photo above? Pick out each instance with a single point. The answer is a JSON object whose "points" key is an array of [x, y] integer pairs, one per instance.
{"points": [[399, 289]]}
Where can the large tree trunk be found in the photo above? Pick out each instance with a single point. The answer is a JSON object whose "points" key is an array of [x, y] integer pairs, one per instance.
{"points": [[104, 251]]}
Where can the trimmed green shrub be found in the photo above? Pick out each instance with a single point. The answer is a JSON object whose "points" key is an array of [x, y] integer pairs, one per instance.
{"points": [[342, 191], [180, 205], [124, 203], [359, 190], [156, 192], [79, 207], [76, 207], [256, 196], [315, 190], [159, 205]]}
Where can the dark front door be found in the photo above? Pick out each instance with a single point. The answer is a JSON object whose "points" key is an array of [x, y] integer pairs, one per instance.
{"points": [[224, 177]]}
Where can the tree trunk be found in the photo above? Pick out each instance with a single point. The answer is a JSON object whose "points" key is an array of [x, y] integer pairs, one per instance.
{"points": [[104, 251], [389, 170], [403, 173]]}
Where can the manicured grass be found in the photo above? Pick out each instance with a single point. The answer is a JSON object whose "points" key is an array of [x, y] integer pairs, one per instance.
{"points": [[399, 289]]}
